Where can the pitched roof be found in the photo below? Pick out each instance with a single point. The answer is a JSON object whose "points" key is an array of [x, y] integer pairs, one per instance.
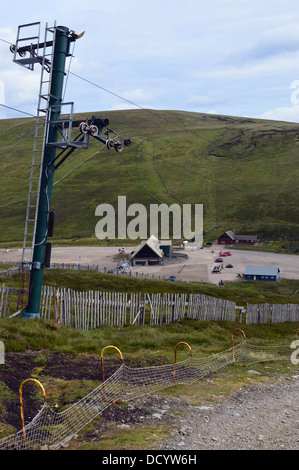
{"points": [[261, 271], [233, 236], [246, 237], [152, 243], [230, 233]]}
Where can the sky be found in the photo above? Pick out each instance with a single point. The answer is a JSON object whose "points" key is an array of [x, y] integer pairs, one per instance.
{"points": [[233, 57]]}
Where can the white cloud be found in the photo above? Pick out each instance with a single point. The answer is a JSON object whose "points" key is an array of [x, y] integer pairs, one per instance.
{"points": [[274, 42], [238, 57], [132, 99], [138, 95], [208, 100], [284, 113]]}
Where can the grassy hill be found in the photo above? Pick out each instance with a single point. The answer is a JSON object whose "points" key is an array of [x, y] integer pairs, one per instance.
{"points": [[244, 171]]}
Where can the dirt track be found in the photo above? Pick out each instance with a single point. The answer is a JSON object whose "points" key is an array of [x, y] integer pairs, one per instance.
{"points": [[197, 267], [259, 417], [256, 417]]}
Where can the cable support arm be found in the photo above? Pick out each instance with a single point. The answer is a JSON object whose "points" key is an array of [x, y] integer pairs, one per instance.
{"points": [[94, 128]]}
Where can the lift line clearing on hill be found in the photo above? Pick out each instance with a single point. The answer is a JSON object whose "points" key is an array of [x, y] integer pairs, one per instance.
{"points": [[52, 133]]}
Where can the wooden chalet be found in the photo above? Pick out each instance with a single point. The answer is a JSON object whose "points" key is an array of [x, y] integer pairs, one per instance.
{"points": [[148, 253], [230, 238]]}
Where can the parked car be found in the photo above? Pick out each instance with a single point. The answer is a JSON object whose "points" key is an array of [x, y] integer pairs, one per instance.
{"points": [[229, 266], [216, 269], [219, 260]]}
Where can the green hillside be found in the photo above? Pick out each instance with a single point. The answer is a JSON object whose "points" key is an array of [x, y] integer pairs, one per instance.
{"points": [[244, 171]]}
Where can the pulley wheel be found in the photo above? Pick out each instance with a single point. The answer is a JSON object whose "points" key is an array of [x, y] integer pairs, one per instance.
{"points": [[84, 127], [94, 130], [109, 144]]}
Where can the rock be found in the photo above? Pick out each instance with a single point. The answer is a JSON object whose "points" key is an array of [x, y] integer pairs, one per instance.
{"points": [[124, 426]]}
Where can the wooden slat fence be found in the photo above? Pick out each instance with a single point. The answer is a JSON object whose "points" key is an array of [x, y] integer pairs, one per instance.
{"points": [[91, 309], [276, 313], [7, 299], [203, 307]]}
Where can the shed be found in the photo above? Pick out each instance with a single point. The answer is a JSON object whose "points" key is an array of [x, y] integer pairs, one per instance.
{"points": [[261, 273], [227, 238]]}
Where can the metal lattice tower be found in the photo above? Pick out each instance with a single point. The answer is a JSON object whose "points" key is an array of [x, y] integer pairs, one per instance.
{"points": [[28, 51], [46, 61]]}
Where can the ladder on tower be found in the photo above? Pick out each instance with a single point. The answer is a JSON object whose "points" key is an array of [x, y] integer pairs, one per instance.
{"points": [[43, 55]]}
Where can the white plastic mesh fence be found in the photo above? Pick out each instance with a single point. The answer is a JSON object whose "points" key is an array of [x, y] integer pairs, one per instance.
{"points": [[50, 429]]}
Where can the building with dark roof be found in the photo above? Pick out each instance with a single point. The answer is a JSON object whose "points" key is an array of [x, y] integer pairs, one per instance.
{"points": [[230, 238], [148, 253]]}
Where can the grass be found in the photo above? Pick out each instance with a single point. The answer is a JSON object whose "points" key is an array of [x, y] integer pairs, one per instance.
{"points": [[241, 292], [244, 172], [118, 438], [144, 346], [138, 343], [141, 347]]}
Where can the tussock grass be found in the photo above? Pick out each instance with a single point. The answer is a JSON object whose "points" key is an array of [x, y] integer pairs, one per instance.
{"points": [[139, 342]]}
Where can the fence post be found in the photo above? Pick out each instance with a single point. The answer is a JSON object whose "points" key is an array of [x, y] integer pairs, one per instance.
{"points": [[103, 373], [232, 340], [21, 403], [175, 355], [2, 297]]}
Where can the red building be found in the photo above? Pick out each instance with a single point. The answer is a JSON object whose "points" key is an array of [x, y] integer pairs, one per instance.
{"points": [[230, 238]]}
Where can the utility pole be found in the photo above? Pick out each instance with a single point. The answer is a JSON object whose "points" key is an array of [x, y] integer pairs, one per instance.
{"points": [[39, 199]]}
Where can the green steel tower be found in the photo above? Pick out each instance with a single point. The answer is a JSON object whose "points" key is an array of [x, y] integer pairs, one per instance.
{"points": [[61, 50], [51, 55], [53, 65]]}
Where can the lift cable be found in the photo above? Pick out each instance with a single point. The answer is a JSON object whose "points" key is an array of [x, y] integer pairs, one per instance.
{"points": [[154, 113], [79, 164], [7, 42], [56, 182], [15, 125], [19, 140], [142, 108], [18, 110]]}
